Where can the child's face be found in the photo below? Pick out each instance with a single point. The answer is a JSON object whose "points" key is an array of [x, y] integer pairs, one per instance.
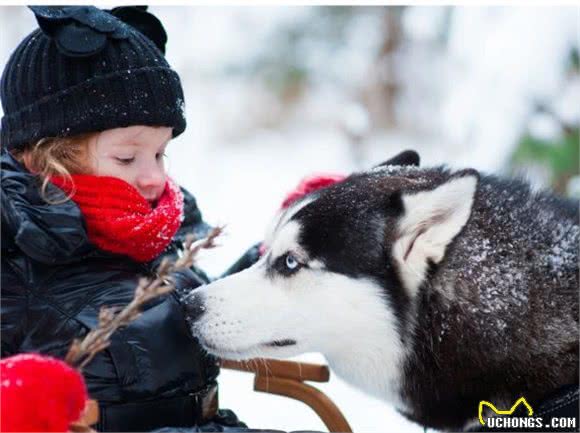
{"points": [[134, 154]]}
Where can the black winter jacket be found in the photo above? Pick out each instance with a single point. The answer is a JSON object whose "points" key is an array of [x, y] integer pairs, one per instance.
{"points": [[54, 281]]}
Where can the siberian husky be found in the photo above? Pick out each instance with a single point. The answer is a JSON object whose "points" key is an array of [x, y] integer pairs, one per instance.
{"points": [[431, 288]]}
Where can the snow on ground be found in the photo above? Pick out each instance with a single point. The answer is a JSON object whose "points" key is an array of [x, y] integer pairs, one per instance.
{"points": [[497, 63], [242, 187]]}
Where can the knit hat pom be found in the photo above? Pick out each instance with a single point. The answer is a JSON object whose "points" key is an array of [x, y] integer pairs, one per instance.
{"points": [[306, 186], [310, 184], [39, 393]]}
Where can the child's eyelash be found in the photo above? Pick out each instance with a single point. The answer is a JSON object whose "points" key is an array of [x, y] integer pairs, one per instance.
{"points": [[126, 161]]}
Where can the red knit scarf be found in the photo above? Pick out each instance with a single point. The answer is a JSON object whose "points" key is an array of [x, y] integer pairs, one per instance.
{"points": [[120, 220]]}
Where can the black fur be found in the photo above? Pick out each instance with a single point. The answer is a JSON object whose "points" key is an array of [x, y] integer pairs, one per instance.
{"points": [[461, 349], [407, 157]]}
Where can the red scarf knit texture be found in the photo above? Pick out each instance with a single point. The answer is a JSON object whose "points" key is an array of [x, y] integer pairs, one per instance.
{"points": [[120, 220]]}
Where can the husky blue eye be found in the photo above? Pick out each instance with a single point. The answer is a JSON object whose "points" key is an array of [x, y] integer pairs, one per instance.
{"points": [[286, 265], [291, 262]]}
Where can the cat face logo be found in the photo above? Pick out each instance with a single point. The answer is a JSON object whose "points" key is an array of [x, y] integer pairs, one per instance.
{"points": [[521, 400]]}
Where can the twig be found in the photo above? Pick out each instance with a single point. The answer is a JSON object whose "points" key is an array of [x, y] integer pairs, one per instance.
{"points": [[82, 351]]}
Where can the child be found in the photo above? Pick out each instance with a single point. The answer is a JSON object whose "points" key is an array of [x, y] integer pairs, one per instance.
{"points": [[90, 104]]}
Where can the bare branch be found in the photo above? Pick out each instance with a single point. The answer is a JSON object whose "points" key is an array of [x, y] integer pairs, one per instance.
{"points": [[81, 352]]}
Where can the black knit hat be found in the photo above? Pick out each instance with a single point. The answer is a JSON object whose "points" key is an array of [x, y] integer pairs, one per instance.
{"points": [[87, 70]]}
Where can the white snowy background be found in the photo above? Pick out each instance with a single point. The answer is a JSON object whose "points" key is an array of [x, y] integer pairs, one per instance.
{"points": [[459, 85]]}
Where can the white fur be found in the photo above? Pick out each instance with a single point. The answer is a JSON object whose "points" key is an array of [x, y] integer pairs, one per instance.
{"points": [[286, 241], [431, 220], [283, 217], [346, 319]]}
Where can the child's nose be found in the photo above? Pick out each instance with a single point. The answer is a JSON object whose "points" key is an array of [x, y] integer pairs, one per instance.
{"points": [[152, 178]]}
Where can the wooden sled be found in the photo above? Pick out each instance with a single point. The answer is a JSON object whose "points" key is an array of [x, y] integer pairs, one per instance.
{"points": [[285, 378]]}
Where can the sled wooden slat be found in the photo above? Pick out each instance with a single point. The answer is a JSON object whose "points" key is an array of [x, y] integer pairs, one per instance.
{"points": [[278, 368], [324, 407], [286, 378], [90, 416]]}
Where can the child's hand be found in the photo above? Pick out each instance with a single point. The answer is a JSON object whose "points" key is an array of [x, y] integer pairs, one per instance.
{"points": [[306, 186], [250, 257]]}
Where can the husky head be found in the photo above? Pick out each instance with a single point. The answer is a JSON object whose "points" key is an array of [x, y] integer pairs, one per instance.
{"points": [[341, 271]]}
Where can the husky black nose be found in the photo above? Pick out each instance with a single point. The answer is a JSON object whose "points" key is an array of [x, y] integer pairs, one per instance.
{"points": [[194, 304]]}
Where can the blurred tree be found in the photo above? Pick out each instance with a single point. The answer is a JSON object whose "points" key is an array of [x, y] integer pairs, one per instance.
{"points": [[379, 94], [300, 52], [560, 155]]}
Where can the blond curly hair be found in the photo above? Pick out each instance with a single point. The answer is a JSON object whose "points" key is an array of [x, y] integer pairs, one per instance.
{"points": [[56, 156]]}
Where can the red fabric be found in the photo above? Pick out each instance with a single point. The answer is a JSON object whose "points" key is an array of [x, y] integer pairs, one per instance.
{"points": [[310, 184], [306, 186], [39, 393], [120, 220]]}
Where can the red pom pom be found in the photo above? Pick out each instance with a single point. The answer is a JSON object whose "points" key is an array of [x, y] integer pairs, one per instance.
{"points": [[306, 186], [39, 393], [311, 184]]}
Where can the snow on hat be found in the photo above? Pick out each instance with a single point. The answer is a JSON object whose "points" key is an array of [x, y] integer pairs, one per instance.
{"points": [[88, 70]]}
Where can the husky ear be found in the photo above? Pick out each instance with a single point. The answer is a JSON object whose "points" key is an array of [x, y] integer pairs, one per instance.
{"points": [[408, 157], [430, 221]]}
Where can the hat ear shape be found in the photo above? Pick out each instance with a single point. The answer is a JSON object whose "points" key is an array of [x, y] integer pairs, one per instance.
{"points": [[78, 31], [430, 221], [143, 21]]}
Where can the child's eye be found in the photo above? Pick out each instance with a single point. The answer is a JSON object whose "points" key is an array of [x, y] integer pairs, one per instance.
{"points": [[125, 161], [160, 155]]}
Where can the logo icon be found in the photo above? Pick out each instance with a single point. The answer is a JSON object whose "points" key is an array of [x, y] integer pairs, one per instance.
{"points": [[521, 400]]}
